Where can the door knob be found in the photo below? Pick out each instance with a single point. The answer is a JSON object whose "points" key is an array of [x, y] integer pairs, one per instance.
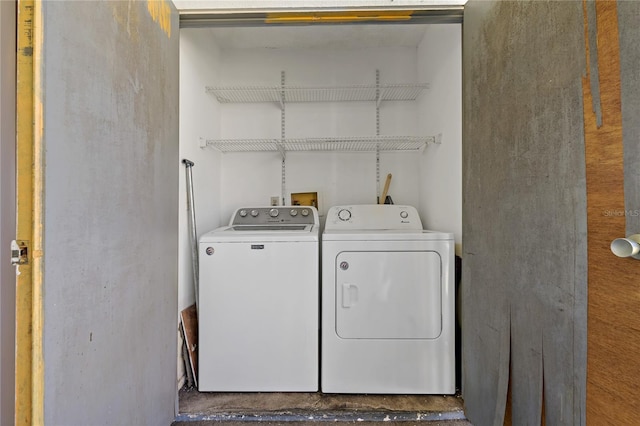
{"points": [[627, 247]]}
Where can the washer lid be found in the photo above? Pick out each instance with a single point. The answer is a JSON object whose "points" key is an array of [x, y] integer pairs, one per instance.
{"points": [[261, 234]]}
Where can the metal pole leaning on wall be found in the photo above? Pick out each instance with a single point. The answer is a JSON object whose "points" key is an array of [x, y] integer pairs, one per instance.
{"points": [[283, 188], [192, 227]]}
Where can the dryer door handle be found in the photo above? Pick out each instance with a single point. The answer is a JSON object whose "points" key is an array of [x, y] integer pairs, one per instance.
{"points": [[349, 295]]}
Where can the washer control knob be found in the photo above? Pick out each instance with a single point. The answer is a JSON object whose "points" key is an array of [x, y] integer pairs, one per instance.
{"points": [[254, 213], [293, 212], [243, 213], [404, 214], [344, 215], [304, 212], [274, 212]]}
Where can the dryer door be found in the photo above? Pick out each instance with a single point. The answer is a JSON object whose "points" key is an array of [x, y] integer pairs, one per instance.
{"points": [[388, 295]]}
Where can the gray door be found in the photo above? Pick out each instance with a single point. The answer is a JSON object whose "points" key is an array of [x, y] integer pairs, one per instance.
{"points": [[524, 278], [109, 82]]}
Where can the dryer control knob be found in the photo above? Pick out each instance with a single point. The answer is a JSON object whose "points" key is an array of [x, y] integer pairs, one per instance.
{"points": [[304, 212], [404, 214], [254, 213], [344, 215], [243, 213], [293, 212], [274, 212]]}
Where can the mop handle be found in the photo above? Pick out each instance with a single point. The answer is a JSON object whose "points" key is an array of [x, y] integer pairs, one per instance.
{"points": [[192, 222]]}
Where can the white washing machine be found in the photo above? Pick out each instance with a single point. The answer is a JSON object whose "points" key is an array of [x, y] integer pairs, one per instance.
{"points": [[258, 302], [388, 305]]}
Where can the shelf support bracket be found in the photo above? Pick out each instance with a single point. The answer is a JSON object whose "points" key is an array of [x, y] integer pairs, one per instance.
{"points": [[377, 134], [378, 93], [283, 189]]}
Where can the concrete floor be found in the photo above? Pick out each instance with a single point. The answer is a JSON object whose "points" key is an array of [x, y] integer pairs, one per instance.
{"points": [[200, 408], [379, 423]]}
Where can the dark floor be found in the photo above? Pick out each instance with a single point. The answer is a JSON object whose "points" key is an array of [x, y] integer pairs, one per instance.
{"points": [[315, 422], [291, 409]]}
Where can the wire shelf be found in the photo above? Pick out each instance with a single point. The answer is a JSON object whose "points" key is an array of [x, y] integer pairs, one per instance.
{"points": [[345, 144], [255, 94]]}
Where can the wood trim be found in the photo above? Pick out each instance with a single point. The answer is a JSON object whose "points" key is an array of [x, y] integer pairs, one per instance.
{"points": [[24, 209], [37, 324], [29, 388], [613, 300]]}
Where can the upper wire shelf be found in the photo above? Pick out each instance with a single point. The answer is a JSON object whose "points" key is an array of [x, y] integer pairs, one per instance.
{"points": [[334, 144], [255, 94]]}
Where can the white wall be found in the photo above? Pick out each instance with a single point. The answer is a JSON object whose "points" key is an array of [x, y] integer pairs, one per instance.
{"points": [[430, 180], [337, 177], [7, 207], [440, 63], [199, 117]]}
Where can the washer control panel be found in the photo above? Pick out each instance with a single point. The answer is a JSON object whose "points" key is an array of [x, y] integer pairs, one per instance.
{"points": [[284, 215], [373, 217]]}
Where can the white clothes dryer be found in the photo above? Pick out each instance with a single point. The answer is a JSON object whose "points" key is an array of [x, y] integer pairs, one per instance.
{"points": [[388, 307], [258, 316]]}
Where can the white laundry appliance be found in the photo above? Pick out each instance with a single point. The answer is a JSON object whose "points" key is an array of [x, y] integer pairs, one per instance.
{"points": [[258, 316], [388, 306]]}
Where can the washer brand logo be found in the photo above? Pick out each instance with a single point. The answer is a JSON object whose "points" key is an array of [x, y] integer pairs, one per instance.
{"points": [[344, 266], [209, 251], [257, 246]]}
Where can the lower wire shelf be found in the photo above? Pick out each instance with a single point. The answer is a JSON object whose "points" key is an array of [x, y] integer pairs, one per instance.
{"points": [[330, 144]]}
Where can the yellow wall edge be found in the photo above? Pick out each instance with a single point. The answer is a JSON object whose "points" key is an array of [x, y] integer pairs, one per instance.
{"points": [[160, 12], [338, 17], [24, 209], [37, 403], [29, 197]]}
